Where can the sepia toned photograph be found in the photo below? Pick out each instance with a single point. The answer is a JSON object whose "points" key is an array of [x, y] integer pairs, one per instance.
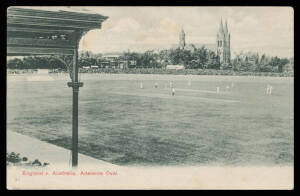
{"points": [[150, 97]]}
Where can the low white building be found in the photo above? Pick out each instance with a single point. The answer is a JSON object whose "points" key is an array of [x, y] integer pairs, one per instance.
{"points": [[176, 67], [42, 71]]}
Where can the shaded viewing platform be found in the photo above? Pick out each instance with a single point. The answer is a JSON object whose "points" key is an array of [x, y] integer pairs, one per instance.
{"points": [[44, 31]]}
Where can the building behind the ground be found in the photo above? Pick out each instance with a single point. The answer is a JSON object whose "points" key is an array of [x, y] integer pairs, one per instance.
{"points": [[221, 47]]}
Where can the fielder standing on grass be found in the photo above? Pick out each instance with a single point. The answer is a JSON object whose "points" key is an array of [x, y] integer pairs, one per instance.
{"points": [[227, 88], [269, 89], [173, 91], [141, 85]]}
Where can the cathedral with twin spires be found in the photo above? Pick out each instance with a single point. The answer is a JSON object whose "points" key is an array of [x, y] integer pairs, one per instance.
{"points": [[222, 46], [223, 43]]}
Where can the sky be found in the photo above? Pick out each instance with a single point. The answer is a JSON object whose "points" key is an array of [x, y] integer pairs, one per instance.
{"points": [[268, 30]]}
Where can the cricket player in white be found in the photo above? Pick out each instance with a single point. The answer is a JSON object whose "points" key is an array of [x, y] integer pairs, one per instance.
{"points": [[227, 88], [269, 89]]}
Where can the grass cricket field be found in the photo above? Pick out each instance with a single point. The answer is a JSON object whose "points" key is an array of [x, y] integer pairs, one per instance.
{"points": [[124, 124]]}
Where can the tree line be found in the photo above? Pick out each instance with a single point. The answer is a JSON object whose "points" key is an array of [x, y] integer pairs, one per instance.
{"points": [[198, 58]]}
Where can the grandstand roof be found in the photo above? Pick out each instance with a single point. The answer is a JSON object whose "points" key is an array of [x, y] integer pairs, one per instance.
{"points": [[48, 30]]}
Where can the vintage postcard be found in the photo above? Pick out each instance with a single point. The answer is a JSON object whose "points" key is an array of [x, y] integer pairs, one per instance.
{"points": [[150, 97]]}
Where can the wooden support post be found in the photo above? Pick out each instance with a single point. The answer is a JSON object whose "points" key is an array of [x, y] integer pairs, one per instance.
{"points": [[75, 110], [75, 84]]}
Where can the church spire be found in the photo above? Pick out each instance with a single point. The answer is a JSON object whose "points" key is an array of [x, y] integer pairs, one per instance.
{"points": [[223, 42], [221, 29], [226, 28], [182, 39], [182, 32]]}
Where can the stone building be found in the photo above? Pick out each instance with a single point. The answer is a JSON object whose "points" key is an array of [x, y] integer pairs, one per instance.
{"points": [[222, 46], [223, 43], [182, 39]]}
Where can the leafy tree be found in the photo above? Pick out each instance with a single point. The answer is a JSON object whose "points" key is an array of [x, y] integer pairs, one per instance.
{"points": [[180, 56], [132, 58], [148, 60], [196, 58], [200, 57], [213, 61], [163, 58], [283, 62], [15, 64]]}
